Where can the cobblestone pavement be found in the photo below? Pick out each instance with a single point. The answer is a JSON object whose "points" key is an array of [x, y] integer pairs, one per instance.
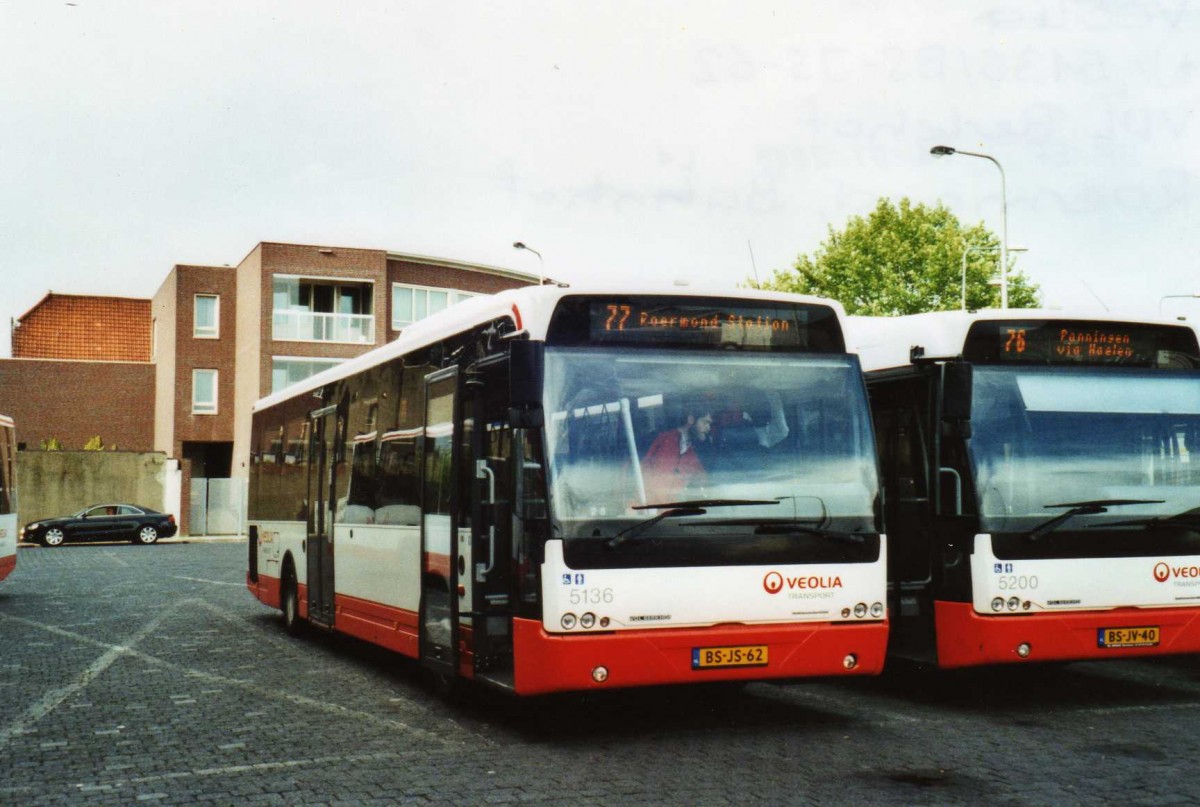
{"points": [[149, 675]]}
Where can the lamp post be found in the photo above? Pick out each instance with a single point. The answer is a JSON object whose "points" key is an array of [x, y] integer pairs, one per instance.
{"points": [[980, 248], [945, 151], [541, 263], [1175, 297]]}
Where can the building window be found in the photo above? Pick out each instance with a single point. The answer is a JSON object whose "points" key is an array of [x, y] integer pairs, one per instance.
{"points": [[412, 303], [204, 392], [316, 310], [206, 313], [286, 371]]}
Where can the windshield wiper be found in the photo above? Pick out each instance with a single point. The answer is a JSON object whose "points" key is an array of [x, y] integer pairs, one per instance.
{"points": [[705, 503], [1082, 509], [674, 509], [803, 529], [1188, 520]]}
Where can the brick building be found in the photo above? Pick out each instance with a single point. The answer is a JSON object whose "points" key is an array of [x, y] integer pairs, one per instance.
{"points": [[179, 373], [80, 370]]}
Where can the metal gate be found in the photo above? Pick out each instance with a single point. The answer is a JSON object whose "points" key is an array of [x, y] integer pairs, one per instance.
{"points": [[217, 506]]}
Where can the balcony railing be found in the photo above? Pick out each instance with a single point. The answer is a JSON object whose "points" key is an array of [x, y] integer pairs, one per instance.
{"points": [[310, 326]]}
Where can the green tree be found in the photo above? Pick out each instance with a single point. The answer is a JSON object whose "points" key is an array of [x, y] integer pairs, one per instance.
{"points": [[905, 259], [95, 444], [51, 444]]}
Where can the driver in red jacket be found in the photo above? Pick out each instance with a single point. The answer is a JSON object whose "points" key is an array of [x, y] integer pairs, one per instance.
{"points": [[672, 465]]}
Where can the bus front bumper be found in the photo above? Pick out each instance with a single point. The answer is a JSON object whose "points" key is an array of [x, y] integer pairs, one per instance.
{"points": [[547, 662], [967, 639]]}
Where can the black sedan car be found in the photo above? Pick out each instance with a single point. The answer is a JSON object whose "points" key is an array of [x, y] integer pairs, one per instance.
{"points": [[104, 522]]}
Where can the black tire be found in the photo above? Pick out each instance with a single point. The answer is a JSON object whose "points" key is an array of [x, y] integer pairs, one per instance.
{"points": [[147, 535], [289, 604], [54, 536]]}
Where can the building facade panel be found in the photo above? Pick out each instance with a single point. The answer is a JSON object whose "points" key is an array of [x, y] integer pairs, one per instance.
{"points": [[203, 352]]}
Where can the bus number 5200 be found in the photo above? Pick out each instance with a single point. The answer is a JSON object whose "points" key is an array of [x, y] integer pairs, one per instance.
{"points": [[1018, 582]]}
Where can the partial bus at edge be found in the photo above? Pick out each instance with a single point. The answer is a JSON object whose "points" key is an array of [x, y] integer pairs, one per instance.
{"points": [[476, 495], [1042, 484], [8, 497]]}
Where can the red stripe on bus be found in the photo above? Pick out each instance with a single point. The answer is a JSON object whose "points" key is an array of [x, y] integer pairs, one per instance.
{"points": [[562, 662], [967, 639], [384, 625], [438, 564], [7, 565], [266, 590]]}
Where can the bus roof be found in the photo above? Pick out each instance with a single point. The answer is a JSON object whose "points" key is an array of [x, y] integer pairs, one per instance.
{"points": [[885, 342], [530, 309]]}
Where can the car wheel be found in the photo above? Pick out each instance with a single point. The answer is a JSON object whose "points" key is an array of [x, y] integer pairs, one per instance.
{"points": [[289, 603], [54, 537], [147, 535]]}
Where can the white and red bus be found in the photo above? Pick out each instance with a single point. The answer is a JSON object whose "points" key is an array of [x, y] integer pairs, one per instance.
{"points": [[1042, 496], [481, 494], [8, 497]]}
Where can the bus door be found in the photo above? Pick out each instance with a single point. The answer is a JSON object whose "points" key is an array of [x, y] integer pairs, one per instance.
{"points": [[900, 408], [493, 583], [321, 494], [442, 570]]}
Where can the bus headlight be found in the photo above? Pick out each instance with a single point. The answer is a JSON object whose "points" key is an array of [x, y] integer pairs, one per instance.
{"points": [[1014, 603], [587, 620], [877, 609], [998, 604], [860, 610], [568, 621]]}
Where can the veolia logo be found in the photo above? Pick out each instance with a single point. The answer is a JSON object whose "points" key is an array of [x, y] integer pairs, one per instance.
{"points": [[1161, 572], [773, 582]]}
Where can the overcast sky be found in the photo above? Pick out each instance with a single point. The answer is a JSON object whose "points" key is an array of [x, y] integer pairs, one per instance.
{"points": [[620, 139]]}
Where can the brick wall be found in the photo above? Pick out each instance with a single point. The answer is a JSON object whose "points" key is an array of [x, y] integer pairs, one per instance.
{"points": [[67, 326], [74, 401]]}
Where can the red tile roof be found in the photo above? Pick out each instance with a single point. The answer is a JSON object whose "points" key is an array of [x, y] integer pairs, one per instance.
{"points": [[72, 326]]}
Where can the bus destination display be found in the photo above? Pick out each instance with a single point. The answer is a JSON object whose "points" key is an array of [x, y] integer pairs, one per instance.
{"points": [[1076, 342], [697, 322]]}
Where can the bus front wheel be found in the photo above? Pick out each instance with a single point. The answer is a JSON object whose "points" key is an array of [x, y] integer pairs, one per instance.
{"points": [[290, 605]]}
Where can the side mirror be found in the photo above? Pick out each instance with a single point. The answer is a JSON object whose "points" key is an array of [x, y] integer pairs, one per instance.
{"points": [[526, 369], [956, 391]]}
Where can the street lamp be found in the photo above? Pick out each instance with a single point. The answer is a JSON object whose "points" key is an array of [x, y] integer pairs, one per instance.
{"points": [[979, 248], [946, 151], [541, 263], [1175, 297]]}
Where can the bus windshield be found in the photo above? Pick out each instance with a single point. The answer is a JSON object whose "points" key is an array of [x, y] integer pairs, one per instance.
{"points": [[1120, 438], [736, 444]]}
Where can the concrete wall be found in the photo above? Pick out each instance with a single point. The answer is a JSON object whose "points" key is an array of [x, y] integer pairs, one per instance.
{"points": [[58, 483]]}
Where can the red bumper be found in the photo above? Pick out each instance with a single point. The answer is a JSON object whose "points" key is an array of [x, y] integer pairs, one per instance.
{"points": [[556, 663], [967, 639], [266, 590], [7, 565]]}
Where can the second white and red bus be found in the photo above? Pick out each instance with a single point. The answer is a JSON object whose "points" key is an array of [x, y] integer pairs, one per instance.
{"points": [[1042, 479]]}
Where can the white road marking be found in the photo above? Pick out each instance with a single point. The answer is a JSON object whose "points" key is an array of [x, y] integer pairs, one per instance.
{"points": [[54, 698], [212, 582]]}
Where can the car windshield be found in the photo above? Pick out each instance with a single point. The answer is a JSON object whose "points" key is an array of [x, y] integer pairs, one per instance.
{"points": [[740, 440], [1064, 436]]}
